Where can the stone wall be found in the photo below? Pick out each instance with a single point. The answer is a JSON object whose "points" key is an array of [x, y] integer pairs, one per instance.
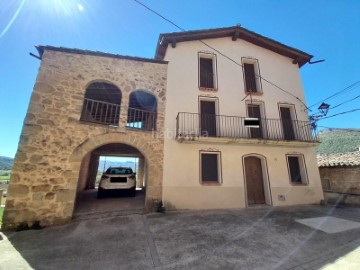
{"points": [[54, 142], [341, 179]]}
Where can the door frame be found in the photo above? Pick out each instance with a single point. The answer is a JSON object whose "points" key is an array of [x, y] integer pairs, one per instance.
{"points": [[266, 180], [216, 101], [293, 116], [261, 105]]}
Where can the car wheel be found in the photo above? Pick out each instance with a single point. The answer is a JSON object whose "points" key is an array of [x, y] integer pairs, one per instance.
{"points": [[100, 194], [133, 192]]}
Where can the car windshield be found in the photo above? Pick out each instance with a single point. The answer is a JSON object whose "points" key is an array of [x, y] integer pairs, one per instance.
{"points": [[119, 171]]}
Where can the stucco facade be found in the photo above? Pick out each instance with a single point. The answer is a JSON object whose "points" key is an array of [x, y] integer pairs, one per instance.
{"points": [[182, 187]]}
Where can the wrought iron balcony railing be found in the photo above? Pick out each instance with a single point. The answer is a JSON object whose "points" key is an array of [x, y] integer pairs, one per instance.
{"points": [[100, 112], [206, 125], [141, 119]]}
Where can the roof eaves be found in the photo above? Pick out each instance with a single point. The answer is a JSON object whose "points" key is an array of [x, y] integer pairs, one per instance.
{"points": [[41, 49], [245, 34]]}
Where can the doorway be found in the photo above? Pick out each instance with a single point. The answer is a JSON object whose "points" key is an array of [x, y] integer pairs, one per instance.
{"points": [[257, 188], [208, 118], [287, 123]]}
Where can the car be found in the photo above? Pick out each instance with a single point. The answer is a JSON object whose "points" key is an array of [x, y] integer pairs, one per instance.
{"points": [[117, 179]]}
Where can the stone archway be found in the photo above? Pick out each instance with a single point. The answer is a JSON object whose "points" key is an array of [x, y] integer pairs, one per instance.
{"points": [[152, 155]]}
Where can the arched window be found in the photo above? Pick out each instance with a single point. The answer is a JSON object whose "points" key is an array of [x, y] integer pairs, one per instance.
{"points": [[102, 104], [142, 111]]}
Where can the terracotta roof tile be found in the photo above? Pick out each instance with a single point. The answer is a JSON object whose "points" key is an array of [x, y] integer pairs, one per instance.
{"points": [[339, 159]]}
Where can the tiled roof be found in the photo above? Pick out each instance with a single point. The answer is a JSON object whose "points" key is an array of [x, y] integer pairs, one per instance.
{"points": [[339, 159], [41, 50], [235, 32]]}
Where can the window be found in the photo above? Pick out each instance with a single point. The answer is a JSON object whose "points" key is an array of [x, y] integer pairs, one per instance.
{"points": [[207, 71], [101, 104], [297, 170], [210, 167], [251, 75], [287, 116], [142, 111]]}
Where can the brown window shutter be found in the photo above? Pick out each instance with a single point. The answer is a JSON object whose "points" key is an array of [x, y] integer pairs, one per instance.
{"points": [[294, 169], [206, 73], [250, 79], [209, 167]]}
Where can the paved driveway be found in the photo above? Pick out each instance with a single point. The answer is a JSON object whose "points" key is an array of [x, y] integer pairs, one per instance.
{"points": [[255, 238]]}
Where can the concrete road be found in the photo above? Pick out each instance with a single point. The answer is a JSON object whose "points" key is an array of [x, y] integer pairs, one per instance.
{"points": [[253, 238]]}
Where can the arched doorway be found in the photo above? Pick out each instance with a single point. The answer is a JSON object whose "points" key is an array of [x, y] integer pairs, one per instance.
{"points": [[256, 180], [102, 159]]}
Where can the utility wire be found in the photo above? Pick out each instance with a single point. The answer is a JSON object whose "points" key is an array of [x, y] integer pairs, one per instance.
{"points": [[330, 116], [342, 91], [344, 102], [219, 52]]}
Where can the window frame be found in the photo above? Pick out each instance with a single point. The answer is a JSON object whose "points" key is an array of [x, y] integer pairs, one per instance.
{"points": [[302, 167], [219, 164], [255, 62], [212, 56]]}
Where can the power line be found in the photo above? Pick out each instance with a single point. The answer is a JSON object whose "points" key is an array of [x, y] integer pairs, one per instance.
{"points": [[342, 91], [345, 102], [219, 52], [354, 110]]}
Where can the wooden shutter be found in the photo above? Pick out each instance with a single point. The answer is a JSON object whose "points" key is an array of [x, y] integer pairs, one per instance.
{"points": [[254, 111], [209, 167], [294, 168], [206, 73], [250, 79]]}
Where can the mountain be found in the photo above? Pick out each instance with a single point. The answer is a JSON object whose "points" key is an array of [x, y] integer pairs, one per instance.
{"points": [[6, 163], [337, 140], [110, 163]]}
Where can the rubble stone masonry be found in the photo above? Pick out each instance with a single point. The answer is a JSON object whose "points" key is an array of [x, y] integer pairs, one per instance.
{"points": [[54, 141]]}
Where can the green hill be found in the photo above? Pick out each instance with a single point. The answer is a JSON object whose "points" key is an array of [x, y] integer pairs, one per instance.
{"points": [[338, 140], [6, 163]]}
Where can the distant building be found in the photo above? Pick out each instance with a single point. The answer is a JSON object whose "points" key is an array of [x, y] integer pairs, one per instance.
{"points": [[340, 175], [184, 114]]}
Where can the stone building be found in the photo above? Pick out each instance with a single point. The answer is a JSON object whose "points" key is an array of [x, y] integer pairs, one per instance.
{"points": [[193, 139], [340, 177], [61, 138]]}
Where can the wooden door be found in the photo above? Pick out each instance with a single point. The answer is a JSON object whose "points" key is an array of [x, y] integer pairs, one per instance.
{"points": [[287, 124], [254, 111], [208, 118], [254, 180]]}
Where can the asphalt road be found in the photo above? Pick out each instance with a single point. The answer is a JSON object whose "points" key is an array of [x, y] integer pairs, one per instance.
{"points": [[253, 238]]}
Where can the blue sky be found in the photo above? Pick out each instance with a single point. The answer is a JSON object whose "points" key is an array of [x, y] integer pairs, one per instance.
{"points": [[327, 29]]}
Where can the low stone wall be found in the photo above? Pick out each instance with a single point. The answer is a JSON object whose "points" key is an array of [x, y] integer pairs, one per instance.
{"points": [[334, 198], [341, 179]]}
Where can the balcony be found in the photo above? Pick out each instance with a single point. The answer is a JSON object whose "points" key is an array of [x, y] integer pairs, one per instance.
{"points": [[192, 127], [100, 112]]}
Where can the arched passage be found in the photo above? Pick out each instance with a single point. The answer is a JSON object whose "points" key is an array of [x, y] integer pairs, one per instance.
{"points": [[101, 104], [142, 111], [256, 180], [152, 157]]}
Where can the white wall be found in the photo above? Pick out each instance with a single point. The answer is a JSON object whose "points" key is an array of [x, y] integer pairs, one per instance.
{"points": [[181, 187]]}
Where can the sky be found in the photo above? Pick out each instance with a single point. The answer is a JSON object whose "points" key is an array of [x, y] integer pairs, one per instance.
{"points": [[327, 29]]}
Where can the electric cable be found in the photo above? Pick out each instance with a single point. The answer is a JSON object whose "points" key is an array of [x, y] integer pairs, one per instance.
{"points": [[219, 52]]}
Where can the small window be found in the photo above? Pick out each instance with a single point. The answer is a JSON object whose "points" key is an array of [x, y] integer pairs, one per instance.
{"points": [[207, 71], [251, 76], [210, 168], [297, 170]]}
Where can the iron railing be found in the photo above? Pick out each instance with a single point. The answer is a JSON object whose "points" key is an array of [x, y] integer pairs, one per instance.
{"points": [[141, 119], [100, 112], [206, 125]]}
